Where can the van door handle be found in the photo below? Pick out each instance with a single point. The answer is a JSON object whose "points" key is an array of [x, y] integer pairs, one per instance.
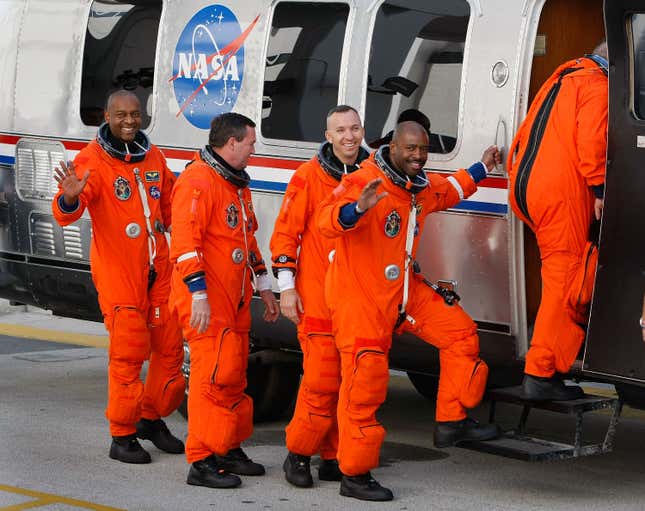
{"points": [[500, 142]]}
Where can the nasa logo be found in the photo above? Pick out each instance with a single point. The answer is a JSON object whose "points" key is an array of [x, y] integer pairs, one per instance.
{"points": [[208, 65]]}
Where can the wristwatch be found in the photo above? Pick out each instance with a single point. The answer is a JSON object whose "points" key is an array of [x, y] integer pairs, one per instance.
{"points": [[642, 323]]}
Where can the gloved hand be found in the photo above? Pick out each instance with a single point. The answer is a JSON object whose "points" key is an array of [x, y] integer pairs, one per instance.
{"points": [[200, 314]]}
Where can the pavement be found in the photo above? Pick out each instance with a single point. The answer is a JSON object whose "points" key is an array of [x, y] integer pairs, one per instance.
{"points": [[33, 323]]}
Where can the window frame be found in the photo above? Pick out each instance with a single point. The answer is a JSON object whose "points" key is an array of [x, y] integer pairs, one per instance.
{"points": [[270, 142], [153, 94], [432, 157]]}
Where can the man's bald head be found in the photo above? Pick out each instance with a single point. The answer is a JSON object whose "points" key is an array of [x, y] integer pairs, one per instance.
{"points": [[409, 148], [121, 93], [411, 127]]}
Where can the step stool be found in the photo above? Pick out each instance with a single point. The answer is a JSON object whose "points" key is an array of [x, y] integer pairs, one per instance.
{"points": [[516, 444]]}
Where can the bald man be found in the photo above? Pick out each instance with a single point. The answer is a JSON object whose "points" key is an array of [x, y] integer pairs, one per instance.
{"points": [[556, 168], [124, 182], [376, 215]]}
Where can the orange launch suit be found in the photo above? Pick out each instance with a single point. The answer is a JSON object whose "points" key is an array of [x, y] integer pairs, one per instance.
{"points": [[557, 156], [138, 321], [364, 304], [313, 427], [213, 236]]}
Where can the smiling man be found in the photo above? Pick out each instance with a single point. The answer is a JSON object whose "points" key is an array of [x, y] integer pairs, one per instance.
{"points": [[300, 256], [371, 291], [124, 182]]}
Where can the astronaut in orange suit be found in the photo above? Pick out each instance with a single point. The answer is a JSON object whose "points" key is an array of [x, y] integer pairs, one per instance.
{"points": [[216, 261], [376, 214], [557, 172], [300, 257], [125, 184]]}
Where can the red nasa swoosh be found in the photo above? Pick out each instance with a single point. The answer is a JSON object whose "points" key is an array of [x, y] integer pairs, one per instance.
{"points": [[229, 50]]}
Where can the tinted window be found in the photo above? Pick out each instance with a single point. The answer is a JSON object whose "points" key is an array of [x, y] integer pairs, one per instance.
{"points": [[120, 47], [415, 62], [302, 69], [638, 38]]}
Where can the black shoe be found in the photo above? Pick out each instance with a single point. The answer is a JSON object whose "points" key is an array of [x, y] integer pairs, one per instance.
{"points": [[128, 450], [450, 433], [237, 462], [535, 388], [206, 472], [328, 470], [158, 433], [297, 471], [364, 487]]}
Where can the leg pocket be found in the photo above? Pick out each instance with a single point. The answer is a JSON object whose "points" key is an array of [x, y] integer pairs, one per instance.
{"points": [[369, 381], [130, 337], [230, 365]]}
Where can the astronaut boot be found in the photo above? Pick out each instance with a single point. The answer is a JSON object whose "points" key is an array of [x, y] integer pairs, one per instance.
{"points": [[237, 462], [128, 450], [208, 473], [450, 433], [328, 470], [364, 487], [158, 433], [297, 470], [536, 388]]}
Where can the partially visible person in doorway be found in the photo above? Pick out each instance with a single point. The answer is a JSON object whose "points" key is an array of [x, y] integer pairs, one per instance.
{"points": [[556, 168]]}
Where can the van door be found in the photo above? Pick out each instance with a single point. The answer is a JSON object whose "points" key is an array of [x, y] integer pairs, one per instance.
{"points": [[614, 343]]}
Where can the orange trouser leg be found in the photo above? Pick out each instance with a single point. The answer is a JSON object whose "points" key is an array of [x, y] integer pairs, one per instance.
{"points": [[561, 231], [557, 337], [164, 387], [313, 428], [220, 415], [463, 375], [129, 348], [364, 377]]}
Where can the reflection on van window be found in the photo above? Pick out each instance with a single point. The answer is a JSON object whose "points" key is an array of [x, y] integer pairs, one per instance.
{"points": [[638, 73], [120, 47], [415, 62], [302, 69]]}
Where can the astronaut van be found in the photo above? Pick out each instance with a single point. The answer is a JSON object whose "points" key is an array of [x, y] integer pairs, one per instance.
{"points": [[472, 66]]}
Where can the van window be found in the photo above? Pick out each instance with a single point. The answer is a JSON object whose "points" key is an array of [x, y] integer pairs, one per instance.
{"points": [[120, 47], [302, 69], [638, 73], [415, 62]]}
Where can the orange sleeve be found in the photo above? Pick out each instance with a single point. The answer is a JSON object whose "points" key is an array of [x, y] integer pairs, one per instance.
{"points": [[591, 132], [457, 187], [191, 211], [255, 256], [82, 163], [290, 223], [327, 215], [168, 182]]}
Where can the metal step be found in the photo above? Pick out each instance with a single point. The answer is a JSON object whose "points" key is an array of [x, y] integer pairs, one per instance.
{"points": [[516, 444]]}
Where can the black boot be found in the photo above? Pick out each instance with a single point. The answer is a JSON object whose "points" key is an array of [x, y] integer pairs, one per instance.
{"points": [[128, 450], [297, 471], [237, 462], [158, 433], [450, 433], [328, 470], [549, 389], [206, 472], [364, 487]]}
